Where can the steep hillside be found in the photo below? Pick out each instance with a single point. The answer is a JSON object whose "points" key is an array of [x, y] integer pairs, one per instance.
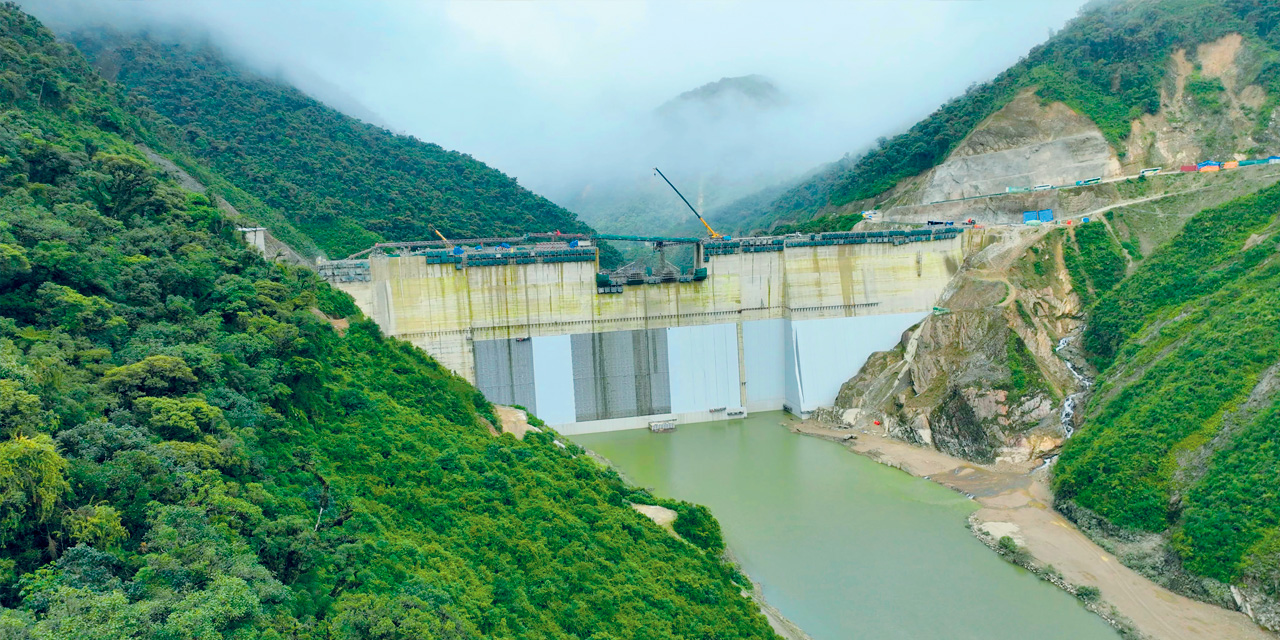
{"points": [[1160, 81], [201, 444], [1180, 438], [1151, 335], [344, 183], [980, 381]]}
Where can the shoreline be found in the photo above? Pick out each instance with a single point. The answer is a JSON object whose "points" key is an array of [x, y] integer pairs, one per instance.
{"points": [[663, 517], [1014, 501]]}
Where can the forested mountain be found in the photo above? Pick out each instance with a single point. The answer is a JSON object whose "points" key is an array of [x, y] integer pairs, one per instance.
{"points": [[1109, 64], [1172, 457], [344, 183], [193, 446]]}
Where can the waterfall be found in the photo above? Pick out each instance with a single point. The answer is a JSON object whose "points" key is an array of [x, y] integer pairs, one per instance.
{"points": [[1069, 405]]}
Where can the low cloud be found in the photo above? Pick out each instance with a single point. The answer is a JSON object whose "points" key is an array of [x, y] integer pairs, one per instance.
{"points": [[562, 94]]}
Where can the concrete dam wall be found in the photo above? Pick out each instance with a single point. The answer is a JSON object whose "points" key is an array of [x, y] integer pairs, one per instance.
{"points": [[763, 329]]}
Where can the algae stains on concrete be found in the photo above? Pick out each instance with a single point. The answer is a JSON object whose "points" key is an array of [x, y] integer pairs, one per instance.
{"points": [[981, 382], [444, 310], [1023, 145]]}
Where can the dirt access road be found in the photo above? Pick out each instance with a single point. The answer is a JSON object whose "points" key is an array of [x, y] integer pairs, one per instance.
{"points": [[1015, 502]]}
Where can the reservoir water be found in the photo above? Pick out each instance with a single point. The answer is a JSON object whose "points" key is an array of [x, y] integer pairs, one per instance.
{"points": [[845, 547]]}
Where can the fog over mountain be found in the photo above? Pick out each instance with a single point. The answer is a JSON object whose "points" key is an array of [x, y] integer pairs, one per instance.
{"points": [[571, 96]]}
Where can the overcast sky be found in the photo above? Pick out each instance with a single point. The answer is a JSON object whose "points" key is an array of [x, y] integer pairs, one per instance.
{"points": [[550, 91]]}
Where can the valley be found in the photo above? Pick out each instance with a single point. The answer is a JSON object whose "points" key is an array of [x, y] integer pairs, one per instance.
{"points": [[269, 371]]}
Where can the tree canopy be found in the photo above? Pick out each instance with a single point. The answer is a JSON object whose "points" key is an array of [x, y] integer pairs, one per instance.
{"points": [[346, 184], [191, 448], [1182, 434]]}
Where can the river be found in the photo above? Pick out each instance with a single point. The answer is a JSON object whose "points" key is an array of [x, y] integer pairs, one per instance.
{"points": [[845, 547]]}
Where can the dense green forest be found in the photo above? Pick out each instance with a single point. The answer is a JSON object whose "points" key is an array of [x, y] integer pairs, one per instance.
{"points": [[344, 183], [193, 449], [1107, 64], [1182, 434]]}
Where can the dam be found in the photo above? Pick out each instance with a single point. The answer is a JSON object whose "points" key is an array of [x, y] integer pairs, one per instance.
{"points": [[756, 324]]}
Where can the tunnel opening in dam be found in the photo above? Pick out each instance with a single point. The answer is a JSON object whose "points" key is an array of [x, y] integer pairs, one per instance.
{"points": [[759, 324]]}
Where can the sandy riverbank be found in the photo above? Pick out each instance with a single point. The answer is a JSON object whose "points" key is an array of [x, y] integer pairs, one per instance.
{"points": [[1016, 502]]}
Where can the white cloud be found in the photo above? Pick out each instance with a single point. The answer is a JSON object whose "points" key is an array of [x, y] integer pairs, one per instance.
{"points": [[551, 91]]}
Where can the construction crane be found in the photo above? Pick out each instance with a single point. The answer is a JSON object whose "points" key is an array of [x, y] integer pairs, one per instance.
{"points": [[441, 235], [710, 231]]}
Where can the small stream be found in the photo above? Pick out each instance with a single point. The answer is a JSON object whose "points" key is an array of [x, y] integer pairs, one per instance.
{"points": [[1070, 404]]}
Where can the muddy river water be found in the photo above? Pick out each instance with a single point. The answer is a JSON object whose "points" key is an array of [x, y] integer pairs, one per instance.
{"points": [[846, 547]]}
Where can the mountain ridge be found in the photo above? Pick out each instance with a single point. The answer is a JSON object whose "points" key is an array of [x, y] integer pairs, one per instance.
{"points": [[344, 183], [1108, 65]]}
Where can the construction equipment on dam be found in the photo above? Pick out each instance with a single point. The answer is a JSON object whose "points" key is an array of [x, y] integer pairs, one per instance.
{"points": [[735, 325], [710, 232]]}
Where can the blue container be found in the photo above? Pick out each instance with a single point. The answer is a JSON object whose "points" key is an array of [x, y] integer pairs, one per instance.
{"points": [[1045, 215], [1028, 216], [1084, 221]]}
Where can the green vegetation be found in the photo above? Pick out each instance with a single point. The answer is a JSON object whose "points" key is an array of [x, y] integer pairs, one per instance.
{"points": [[190, 449], [843, 222], [1232, 520], [1202, 259], [1183, 342], [1131, 248], [1024, 376], [1095, 259], [1035, 268], [344, 183], [1107, 64], [1206, 93]]}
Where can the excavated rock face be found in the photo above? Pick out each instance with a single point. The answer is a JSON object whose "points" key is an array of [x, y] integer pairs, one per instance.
{"points": [[1192, 126], [1024, 144], [981, 382]]}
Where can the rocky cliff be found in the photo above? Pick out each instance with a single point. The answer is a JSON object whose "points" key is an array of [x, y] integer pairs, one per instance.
{"points": [[1027, 143], [980, 378]]}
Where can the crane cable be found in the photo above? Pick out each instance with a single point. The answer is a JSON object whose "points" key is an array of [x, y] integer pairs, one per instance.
{"points": [[710, 231]]}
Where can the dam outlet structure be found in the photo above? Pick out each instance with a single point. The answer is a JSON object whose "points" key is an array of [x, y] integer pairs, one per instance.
{"points": [[754, 324]]}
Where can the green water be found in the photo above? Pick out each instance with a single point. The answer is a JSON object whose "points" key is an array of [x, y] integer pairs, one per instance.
{"points": [[845, 547]]}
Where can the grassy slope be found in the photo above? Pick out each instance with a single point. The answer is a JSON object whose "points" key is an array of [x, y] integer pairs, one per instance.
{"points": [[1107, 64], [190, 450]]}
